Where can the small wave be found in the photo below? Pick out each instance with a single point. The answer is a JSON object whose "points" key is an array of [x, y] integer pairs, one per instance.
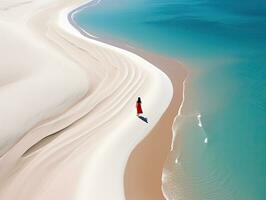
{"points": [[174, 126], [191, 171]]}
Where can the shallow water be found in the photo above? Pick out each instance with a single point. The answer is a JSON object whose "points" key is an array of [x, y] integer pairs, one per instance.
{"points": [[223, 43]]}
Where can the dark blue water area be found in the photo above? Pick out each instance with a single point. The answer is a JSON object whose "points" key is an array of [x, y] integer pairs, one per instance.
{"points": [[223, 43]]}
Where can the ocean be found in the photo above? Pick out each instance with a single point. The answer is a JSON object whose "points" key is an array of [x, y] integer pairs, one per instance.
{"points": [[219, 149]]}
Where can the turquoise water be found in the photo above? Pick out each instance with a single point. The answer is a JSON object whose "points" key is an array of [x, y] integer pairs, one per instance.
{"points": [[223, 42]]}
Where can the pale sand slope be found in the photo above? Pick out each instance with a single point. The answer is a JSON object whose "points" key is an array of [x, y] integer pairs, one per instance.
{"points": [[54, 79]]}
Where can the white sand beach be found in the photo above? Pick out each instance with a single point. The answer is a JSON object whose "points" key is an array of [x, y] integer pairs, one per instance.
{"points": [[67, 106]]}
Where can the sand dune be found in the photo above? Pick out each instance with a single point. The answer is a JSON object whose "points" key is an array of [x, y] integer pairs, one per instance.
{"points": [[25, 65], [55, 81]]}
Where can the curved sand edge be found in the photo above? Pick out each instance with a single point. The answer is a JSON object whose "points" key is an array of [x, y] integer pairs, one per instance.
{"points": [[87, 159]]}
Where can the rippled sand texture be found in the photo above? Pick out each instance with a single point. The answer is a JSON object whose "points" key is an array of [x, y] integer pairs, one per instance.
{"points": [[67, 105]]}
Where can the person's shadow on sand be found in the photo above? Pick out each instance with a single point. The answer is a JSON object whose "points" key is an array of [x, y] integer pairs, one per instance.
{"points": [[143, 119]]}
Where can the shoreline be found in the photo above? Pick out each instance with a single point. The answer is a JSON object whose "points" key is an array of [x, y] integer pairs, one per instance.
{"points": [[157, 145], [142, 179]]}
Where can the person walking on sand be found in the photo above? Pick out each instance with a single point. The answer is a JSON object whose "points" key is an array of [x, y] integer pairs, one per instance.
{"points": [[138, 106]]}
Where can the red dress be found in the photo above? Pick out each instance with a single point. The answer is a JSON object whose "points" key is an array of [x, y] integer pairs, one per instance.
{"points": [[139, 109]]}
